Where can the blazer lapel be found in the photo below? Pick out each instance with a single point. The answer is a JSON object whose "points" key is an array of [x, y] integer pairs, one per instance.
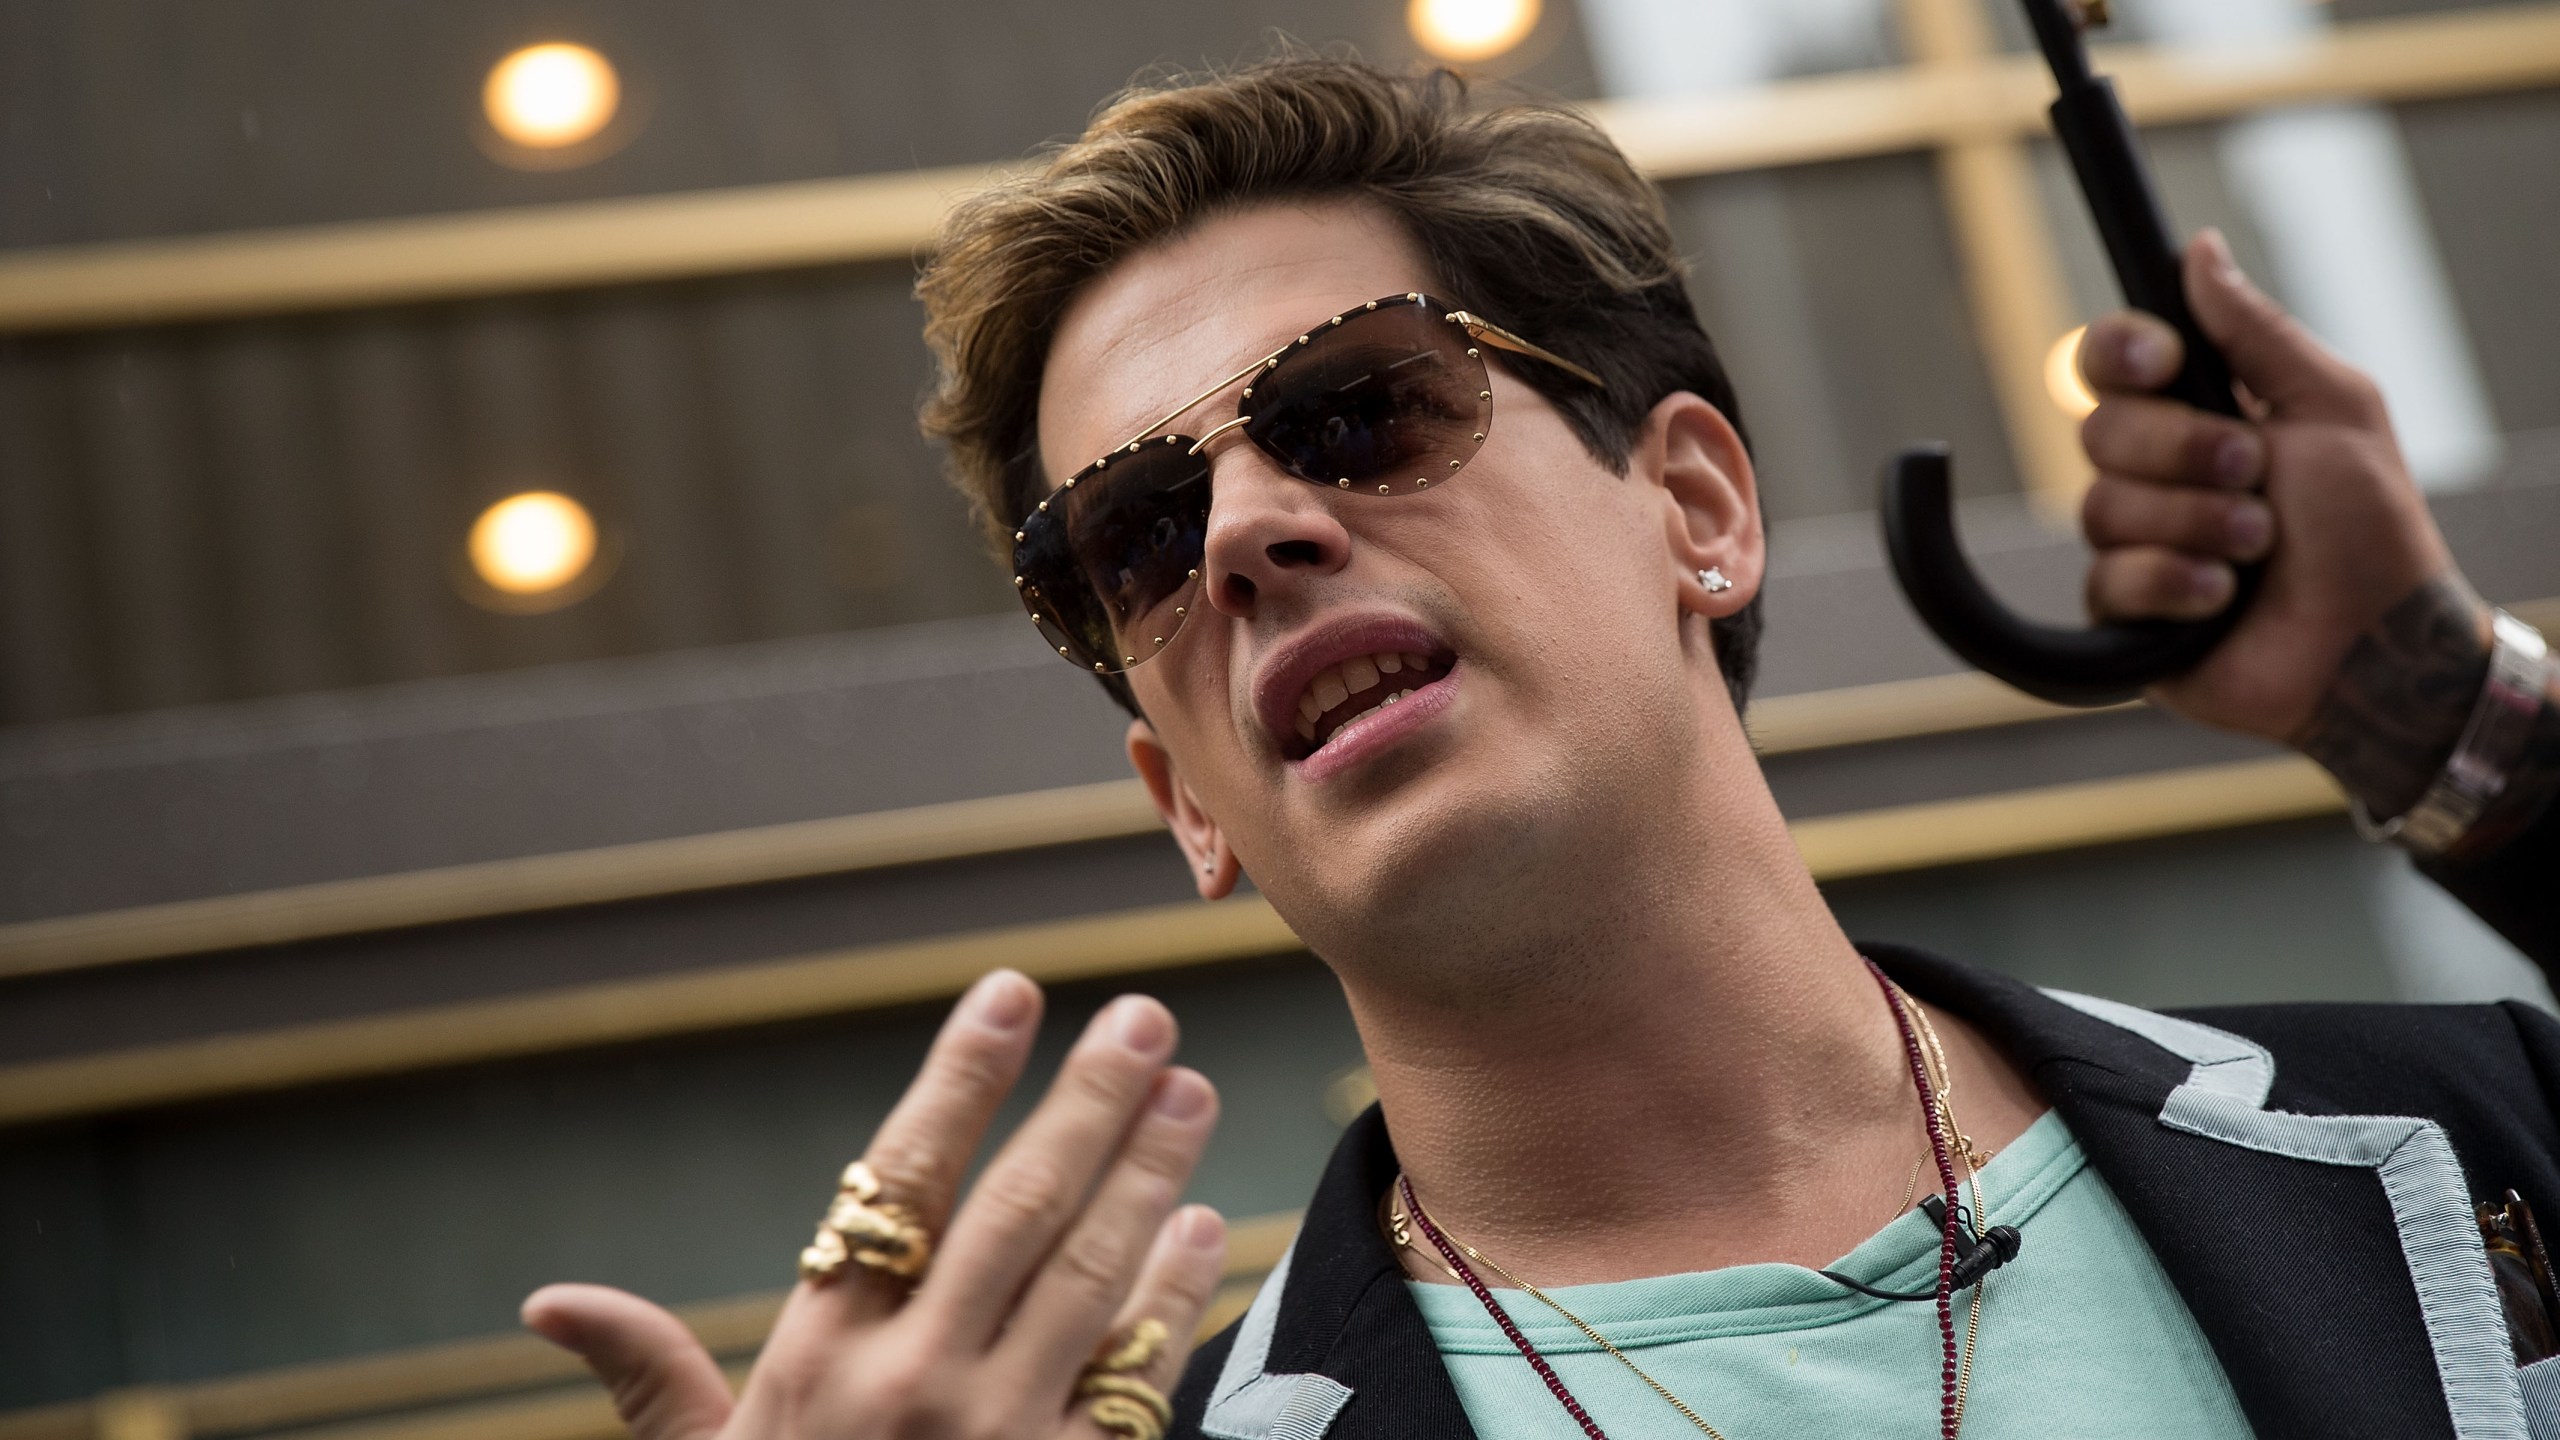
{"points": [[1334, 1347], [2330, 1259], [2301, 1239]]}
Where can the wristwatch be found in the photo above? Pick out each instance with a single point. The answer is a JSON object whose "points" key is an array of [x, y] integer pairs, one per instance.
{"points": [[2493, 740]]}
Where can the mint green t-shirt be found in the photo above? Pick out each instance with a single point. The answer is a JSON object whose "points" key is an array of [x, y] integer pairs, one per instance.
{"points": [[2083, 1337]]}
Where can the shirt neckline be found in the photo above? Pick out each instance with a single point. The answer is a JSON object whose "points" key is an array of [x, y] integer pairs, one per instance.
{"points": [[1755, 1299]]}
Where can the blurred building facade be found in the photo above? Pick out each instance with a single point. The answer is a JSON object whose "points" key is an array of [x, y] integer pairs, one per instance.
{"points": [[374, 946]]}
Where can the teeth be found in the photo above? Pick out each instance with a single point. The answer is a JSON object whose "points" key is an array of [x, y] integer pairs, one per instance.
{"points": [[1330, 691], [1354, 676]]}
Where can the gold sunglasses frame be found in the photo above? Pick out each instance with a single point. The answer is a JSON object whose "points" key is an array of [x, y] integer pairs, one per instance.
{"points": [[1479, 329]]}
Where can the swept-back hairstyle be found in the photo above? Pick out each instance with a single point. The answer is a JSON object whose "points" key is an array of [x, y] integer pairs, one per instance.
{"points": [[1525, 212]]}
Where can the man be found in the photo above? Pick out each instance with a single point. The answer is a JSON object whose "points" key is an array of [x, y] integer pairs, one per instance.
{"points": [[1367, 447]]}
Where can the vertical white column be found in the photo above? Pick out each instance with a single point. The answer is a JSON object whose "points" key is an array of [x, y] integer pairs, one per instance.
{"points": [[1650, 49], [1656, 49], [2329, 190]]}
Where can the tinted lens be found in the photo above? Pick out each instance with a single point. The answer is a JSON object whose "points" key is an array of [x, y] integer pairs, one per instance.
{"points": [[1389, 401], [1108, 566]]}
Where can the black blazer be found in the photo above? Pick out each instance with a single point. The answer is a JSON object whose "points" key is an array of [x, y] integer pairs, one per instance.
{"points": [[2305, 1174]]}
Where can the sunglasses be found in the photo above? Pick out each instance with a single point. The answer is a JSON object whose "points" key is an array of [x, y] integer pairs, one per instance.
{"points": [[1390, 399]]}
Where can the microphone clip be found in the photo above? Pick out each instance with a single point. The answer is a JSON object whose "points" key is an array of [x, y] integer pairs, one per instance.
{"points": [[1976, 1255]]}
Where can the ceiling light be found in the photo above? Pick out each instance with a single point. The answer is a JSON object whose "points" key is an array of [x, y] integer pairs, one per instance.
{"points": [[545, 97], [532, 544], [2062, 376], [1469, 30]]}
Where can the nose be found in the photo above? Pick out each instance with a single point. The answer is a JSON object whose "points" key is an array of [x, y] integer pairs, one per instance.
{"points": [[1267, 531]]}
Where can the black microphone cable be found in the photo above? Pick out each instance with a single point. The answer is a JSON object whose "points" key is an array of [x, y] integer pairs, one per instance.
{"points": [[1976, 1256]]}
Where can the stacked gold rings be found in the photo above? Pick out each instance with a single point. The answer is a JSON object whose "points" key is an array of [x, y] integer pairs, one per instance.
{"points": [[876, 1234], [1123, 1404]]}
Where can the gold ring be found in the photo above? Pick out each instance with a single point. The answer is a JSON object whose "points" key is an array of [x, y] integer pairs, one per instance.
{"points": [[1123, 1404], [861, 1227]]}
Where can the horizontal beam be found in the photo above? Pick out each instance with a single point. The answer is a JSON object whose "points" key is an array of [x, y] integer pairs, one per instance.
{"points": [[484, 252], [1908, 837], [953, 830], [455, 1372], [2065, 817], [950, 831], [893, 217], [1896, 710], [1781, 725], [1874, 112], [833, 982]]}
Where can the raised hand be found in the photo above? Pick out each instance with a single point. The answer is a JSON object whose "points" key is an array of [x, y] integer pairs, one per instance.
{"points": [[1069, 1242], [2365, 648]]}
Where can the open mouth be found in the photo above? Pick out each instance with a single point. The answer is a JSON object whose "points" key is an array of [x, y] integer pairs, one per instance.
{"points": [[1351, 688]]}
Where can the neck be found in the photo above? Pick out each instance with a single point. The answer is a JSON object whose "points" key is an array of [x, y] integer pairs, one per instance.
{"points": [[1699, 1071]]}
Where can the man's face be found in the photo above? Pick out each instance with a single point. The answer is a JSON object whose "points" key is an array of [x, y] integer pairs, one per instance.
{"points": [[1562, 692]]}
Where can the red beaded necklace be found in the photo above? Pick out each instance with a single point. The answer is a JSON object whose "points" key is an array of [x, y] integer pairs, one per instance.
{"points": [[1950, 1415]]}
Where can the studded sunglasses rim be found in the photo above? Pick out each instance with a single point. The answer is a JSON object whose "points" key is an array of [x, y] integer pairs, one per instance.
{"points": [[1479, 332]]}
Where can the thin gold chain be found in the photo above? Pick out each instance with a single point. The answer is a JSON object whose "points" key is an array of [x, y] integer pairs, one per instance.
{"points": [[1941, 1085], [1578, 1323], [1910, 1189]]}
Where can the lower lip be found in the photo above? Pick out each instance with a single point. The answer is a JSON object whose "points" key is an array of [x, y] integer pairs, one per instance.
{"points": [[1374, 732]]}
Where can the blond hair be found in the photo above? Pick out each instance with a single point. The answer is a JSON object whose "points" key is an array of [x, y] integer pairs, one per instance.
{"points": [[1525, 212]]}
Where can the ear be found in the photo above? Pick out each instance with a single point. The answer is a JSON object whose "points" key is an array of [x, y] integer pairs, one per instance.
{"points": [[1711, 501], [1213, 866]]}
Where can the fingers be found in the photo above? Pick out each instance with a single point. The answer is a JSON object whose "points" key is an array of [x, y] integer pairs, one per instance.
{"points": [[2129, 352], [1094, 1268], [2268, 349], [2152, 582], [1038, 1183], [1174, 1289], [2151, 438], [665, 1386], [924, 1147], [2210, 524]]}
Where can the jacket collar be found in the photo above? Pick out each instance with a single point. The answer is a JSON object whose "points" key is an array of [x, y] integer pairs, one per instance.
{"points": [[2292, 1246], [1334, 1331]]}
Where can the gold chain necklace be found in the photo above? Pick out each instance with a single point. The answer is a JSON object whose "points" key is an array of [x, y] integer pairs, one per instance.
{"points": [[1403, 1237], [1941, 1087]]}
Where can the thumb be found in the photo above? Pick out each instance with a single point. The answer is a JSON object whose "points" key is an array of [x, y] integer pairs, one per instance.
{"points": [[2280, 361], [665, 1386]]}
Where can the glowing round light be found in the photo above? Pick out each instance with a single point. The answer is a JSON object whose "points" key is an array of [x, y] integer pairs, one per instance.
{"points": [[2062, 376], [532, 543], [544, 97], [1469, 30]]}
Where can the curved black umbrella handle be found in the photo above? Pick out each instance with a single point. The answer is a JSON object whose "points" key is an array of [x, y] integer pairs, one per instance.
{"points": [[2111, 662], [2096, 666]]}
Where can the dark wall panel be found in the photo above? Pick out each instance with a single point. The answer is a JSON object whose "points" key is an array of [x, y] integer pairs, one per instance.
{"points": [[126, 118], [263, 1232], [271, 507], [221, 511], [1832, 292], [255, 1232]]}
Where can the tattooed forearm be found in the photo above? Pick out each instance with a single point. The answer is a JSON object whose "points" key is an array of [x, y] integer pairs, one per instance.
{"points": [[2398, 703]]}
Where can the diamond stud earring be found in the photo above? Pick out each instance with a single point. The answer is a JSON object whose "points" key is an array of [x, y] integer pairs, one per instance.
{"points": [[1714, 580]]}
